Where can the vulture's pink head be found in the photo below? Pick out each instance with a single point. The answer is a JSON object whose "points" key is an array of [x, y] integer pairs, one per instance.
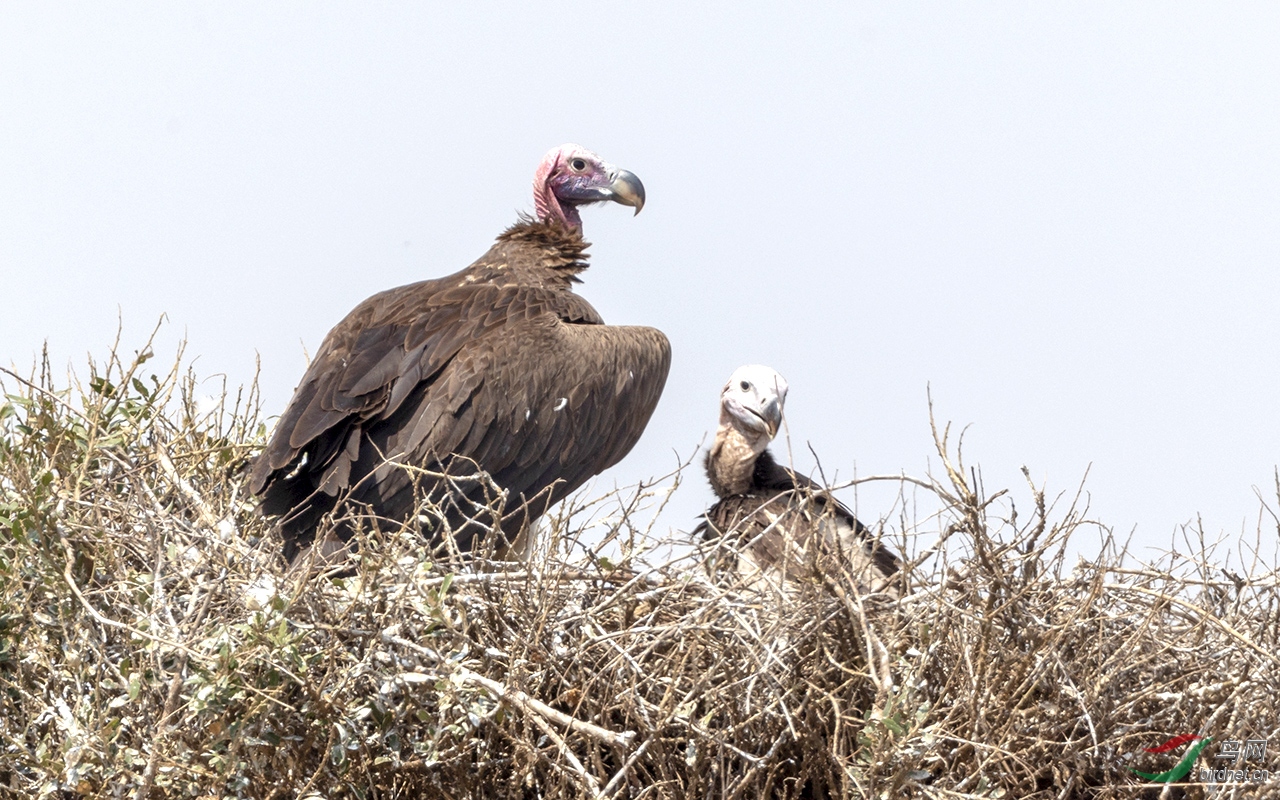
{"points": [[571, 176]]}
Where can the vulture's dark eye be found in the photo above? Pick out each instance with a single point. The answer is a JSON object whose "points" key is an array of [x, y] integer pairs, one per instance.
{"points": [[746, 387], [578, 164]]}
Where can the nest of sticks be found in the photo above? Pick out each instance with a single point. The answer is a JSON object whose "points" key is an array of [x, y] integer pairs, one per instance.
{"points": [[152, 644]]}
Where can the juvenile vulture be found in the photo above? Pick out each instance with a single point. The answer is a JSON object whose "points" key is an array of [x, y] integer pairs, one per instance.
{"points": [[493, 392], [783, 524]]}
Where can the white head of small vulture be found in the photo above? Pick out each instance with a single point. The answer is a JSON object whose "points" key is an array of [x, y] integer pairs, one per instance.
{"points": [[783, 523], [493, 392]]}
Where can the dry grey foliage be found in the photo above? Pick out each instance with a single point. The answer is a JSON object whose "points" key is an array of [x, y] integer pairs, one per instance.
{"points": [[152, 645]]}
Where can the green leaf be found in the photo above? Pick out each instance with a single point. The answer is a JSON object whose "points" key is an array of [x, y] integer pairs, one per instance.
{"points": [[102, 386], [894, 726]]}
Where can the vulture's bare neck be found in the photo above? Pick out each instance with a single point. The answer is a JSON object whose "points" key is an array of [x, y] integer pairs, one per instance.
{"points": [[547, 206], [731, 461]]}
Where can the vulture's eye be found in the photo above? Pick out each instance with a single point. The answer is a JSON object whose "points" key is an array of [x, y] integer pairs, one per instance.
{"points": [[578, 164], [746, 387]]}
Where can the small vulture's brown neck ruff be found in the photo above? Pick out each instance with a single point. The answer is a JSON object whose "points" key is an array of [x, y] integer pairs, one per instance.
{"points": [[731, 461]]}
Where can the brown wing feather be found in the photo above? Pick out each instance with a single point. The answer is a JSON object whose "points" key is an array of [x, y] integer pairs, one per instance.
{"points": [[480, 401], [458, 367], [787, 520]]}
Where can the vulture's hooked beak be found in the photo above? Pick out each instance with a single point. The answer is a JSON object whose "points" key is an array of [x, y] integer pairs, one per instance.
{"points": [[772, 416], [626, 188], [765, 419]]}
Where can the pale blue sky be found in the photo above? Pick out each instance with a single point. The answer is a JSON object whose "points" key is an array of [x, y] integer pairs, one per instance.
{"points": [[1063, 219]]}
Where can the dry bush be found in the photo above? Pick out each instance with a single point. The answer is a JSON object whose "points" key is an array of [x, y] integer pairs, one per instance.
{"points": [[151, 644]]}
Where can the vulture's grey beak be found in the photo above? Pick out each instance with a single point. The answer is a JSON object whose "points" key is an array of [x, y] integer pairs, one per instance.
{"points": [[772, 416], [626, 188], [764, 418]]}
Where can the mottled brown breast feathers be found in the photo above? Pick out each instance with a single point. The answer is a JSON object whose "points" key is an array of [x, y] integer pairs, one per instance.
{"points": [[785, 520]]}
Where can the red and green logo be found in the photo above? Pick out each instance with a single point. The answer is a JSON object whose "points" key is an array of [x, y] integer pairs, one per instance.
{"points": [[1184, 766]]}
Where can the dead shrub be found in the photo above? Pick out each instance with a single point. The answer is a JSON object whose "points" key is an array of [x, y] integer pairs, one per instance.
{"points": [[151, 644]]}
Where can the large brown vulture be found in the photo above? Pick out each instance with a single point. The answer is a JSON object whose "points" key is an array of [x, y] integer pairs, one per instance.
{"points": [[781, 523], [491, 393]]}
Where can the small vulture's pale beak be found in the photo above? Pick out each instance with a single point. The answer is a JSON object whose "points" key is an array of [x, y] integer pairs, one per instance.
{"points": [[772, 416], [766, 418], [626, 188]]}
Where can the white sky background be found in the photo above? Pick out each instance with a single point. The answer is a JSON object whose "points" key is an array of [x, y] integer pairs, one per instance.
{"points": [[1064, 220]]}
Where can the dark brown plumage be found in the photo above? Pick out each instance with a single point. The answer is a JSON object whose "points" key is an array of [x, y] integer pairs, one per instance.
{"points": [[781, 522], [498, 368], [783, 514]]}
